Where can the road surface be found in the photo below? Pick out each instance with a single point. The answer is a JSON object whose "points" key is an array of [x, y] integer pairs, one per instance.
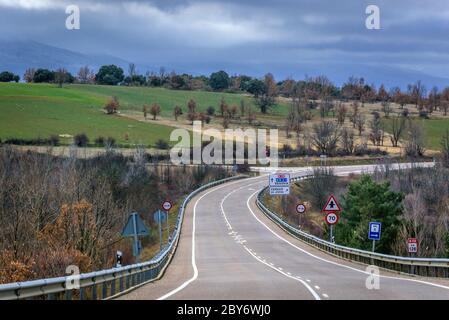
{"points": [[229, 250]]}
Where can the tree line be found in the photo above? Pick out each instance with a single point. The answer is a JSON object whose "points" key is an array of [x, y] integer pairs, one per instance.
{"points": [[265, 90]]}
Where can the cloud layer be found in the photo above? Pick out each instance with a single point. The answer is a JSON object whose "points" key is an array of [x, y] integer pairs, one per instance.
{"points": [[287, 37]]}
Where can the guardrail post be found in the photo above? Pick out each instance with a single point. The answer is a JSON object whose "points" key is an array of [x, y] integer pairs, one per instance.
{"points": [[68, 294], [121, 283], [94, 291], [113, 286], [127, 281], [104, 290]]}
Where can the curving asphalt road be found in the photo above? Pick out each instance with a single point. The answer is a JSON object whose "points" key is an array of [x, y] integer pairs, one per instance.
{"points": [[230, 250]]}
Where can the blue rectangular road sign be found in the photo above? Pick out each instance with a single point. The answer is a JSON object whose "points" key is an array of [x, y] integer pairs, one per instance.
{"points": [[374, 230]]}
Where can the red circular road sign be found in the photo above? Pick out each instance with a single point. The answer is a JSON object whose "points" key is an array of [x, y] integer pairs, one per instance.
{"points": [[167, 205], [331, 218], [300, 208]]}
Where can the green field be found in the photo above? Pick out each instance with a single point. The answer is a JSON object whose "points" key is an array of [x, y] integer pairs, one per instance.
{"points": [[434, 130], [39, 110]]}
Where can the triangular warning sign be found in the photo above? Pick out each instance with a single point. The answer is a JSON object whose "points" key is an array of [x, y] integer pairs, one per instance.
{"points": [[331, 205], [135, 225]]}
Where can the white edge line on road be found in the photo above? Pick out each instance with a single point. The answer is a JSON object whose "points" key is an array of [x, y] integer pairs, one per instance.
{"points": [[195, 269], [332, 262], [258, 258]]}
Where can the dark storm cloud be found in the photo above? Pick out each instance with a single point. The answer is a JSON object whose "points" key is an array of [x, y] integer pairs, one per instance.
{"points": [[284, 36]]}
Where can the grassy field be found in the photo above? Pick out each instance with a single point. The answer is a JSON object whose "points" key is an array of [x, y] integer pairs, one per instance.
{"points": [[434, 130], [40, 110]]}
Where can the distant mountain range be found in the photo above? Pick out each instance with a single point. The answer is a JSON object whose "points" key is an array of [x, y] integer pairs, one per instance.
{"points": [[17, 56]]}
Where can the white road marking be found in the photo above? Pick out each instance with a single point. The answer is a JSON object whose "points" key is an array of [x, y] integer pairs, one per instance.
{"points": [[325, 295], [195, 269], [315, 295], [316, 287], [332, 262], [258, 258]]}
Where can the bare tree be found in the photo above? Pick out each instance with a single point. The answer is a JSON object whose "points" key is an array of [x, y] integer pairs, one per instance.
{"points": [[347, 139], [444, 104], [29, 75], [325, 137], [414, 147], [398, 125], [414, 220], [155, 110], [267, 99], [386, 108], [377, 132], [360, 123], [250, 115], [355, 111], [132, 70], [177, 111], [85, 75], [145, 109], [61, 77], [417, 92], [341, 113]]}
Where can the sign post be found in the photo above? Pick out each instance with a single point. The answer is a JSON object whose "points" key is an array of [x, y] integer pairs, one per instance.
{"points": [[159, 217], [167, 205], [412, 244], [331, 208], [374, 233], [135, 228], [331, 219], [300, 209]]}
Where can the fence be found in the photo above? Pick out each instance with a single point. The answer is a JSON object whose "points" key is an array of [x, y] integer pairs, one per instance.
{"points": [[105, 283], [415, 266]]}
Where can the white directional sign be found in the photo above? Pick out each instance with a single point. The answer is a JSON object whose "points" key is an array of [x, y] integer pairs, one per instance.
{"points": [[412, 245], [331, 218], [276, 191], [331, 205], [300, 208], [280, 180]]}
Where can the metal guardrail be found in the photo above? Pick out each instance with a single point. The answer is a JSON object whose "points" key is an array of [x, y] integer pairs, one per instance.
{"points": [[108, 283], [414, 266]]}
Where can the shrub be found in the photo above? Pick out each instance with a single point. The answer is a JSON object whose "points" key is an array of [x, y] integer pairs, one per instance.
{"points": [[112, 106], [424, 114], [155, 110], [210, 111], [81, 140], [54, 140], [162, 144]]}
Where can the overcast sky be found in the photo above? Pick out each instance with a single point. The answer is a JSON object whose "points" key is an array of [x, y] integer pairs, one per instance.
{"points": [[286, 37]]}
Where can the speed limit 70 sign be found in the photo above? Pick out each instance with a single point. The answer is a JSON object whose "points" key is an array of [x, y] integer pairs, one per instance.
{"points": [[331, 218]]}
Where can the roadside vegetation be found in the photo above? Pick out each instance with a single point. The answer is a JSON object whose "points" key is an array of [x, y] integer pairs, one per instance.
{"points": [[410, 203], [56, 212]]}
